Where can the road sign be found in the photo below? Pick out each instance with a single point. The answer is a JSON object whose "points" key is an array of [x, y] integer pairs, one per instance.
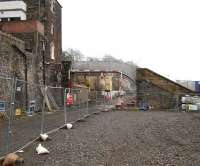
{"points": [[69, 99]]}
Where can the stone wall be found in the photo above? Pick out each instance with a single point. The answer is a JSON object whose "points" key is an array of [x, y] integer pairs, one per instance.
{"points": [[158, 91], [12, 64], [156, 97], [161, 81]]}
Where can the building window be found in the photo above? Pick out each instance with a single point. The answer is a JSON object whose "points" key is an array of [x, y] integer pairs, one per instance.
{"points": [[52, 51], [15, 19], [4, 19], [52, 29], [53, 5]]}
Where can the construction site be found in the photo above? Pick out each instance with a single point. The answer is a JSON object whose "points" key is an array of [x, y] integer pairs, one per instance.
{"points": [[94, 112]]}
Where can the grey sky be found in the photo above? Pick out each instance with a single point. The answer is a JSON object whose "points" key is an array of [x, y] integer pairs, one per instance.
{"points": [[163, 35]]}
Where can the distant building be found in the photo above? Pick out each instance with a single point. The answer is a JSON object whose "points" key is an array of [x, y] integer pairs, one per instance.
{"points": [[105, 74], [193, 85]]}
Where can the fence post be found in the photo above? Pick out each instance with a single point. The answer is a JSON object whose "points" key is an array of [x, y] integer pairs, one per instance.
{"points": [[87, 102], [177, 103], [11, 112], [43, 110], [96, 98], [79, 104], [65, 108]]}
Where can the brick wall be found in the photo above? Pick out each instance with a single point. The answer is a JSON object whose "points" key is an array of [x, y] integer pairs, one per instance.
{"points": [[22, 26]]}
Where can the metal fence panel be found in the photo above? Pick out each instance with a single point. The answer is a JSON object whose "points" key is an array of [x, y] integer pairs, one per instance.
{"points": [[27, 116], [6, 107], [53, 115], [79, 109]]}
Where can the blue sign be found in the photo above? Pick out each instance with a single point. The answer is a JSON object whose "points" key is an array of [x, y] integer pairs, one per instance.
{"points": [[2, 106]]}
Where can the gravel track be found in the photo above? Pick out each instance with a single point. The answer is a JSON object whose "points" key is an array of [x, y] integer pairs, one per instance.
{"points": [[122, 138]]}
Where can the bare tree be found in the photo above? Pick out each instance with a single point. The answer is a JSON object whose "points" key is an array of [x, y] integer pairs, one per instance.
{"points": [[110, 58], [73, 55]]}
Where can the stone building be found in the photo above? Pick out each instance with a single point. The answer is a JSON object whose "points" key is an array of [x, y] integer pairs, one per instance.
{"points": [[113, 70], [45, 17], [36, 56]]}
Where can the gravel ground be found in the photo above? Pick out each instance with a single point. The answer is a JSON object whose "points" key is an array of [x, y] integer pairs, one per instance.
{"points": [[122, 138]]}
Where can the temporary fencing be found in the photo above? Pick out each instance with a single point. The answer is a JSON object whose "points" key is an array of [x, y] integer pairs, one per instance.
{"points": [[53, 109], [159, 101], [29, 110], [33, 109], [7, 85], [27, 113], [80, 105]]}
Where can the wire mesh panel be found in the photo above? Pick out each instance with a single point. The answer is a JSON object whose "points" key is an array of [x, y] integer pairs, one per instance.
{"points": [[158, 101], [79, 108], [100, 98], [96, 101], [6, 106], [53, 108], [27, 116]]}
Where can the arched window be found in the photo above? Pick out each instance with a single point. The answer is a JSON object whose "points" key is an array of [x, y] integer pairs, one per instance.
{"points": [[52, 29], [52, 51], [53, 5]]}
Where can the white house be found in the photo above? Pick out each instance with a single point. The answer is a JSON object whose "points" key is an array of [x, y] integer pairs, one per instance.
{"points": [[12, 10]]}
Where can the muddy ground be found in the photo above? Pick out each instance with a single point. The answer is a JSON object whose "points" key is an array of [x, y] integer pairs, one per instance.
{"points": [[122, 138]]}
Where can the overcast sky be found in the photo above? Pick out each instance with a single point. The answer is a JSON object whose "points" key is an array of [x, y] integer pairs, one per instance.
{"points": [[163, 35]]}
